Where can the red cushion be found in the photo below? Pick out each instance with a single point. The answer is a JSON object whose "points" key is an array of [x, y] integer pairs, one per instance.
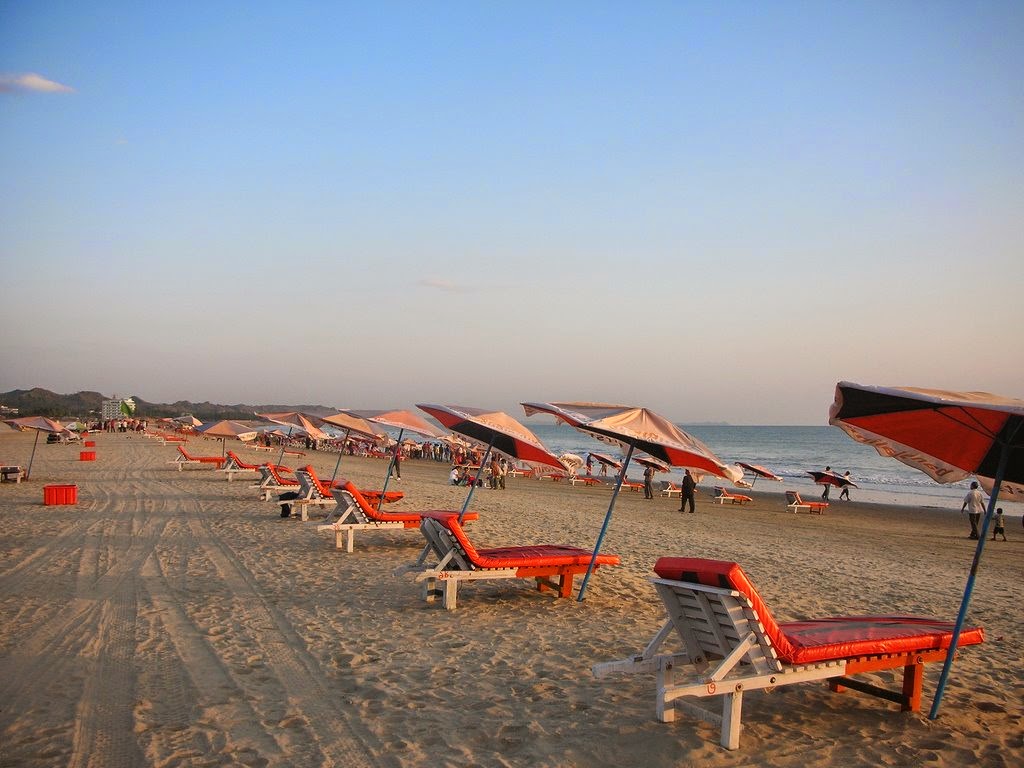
{"points": [[525, 556], [840, 637]]}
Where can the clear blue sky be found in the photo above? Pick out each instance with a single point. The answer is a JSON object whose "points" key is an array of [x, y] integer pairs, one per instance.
{"points": [[716, 210]]}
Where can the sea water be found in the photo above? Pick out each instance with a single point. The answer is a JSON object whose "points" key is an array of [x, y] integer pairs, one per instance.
{"points": [[790, 452]]}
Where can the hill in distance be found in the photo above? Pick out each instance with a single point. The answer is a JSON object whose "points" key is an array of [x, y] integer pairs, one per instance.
{"points": [[87, 405]]}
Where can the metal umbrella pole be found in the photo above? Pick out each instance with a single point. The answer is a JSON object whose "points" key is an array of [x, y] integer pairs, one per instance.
{"points": [[604, 526]]}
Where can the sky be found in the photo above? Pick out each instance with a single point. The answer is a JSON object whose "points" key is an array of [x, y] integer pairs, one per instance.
{"points": [[714, 210]]}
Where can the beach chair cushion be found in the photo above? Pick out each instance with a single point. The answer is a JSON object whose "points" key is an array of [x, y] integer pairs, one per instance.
{"points": [[530, 555], [804, 642], [412, 518]]}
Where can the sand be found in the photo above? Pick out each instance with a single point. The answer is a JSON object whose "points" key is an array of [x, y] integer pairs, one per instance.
{"points": [[171, 618]]}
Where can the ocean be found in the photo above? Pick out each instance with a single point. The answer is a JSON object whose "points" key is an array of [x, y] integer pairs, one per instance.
{"points": [[789, 452]]}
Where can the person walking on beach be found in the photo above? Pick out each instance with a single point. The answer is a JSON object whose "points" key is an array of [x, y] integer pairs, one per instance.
{"points": [[845, 493], [999, 530], [648, 482], [686, 494], [974, 504], [824, 494]]}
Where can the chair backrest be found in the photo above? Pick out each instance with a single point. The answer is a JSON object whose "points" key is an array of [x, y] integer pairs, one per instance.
{"points": [[443, 540], [792, 497], [347, 502], [369, 511], [726, 575], [318, 485]]}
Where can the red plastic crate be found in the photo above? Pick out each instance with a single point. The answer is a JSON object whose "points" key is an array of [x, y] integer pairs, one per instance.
{"points": [[87, 456], [60, 494], [89, 443]]}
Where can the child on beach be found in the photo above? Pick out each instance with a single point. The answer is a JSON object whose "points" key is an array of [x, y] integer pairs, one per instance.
{"points": [[999, 530]]}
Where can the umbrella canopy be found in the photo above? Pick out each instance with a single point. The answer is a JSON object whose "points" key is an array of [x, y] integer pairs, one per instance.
{"points": [[188, 420], [39, 424], [571, 461], [403, 421], [947, 435], [297, 420], [495, 429], [758, 471], [634, 428], [228, 428], [639, 429], [608, 461], [831, 478], [655, 464]]}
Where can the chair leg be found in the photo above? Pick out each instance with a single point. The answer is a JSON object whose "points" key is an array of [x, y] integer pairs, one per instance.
{"points": [[732, 707], [451, 587], [913, 677], [350, 539], [666, 713]]}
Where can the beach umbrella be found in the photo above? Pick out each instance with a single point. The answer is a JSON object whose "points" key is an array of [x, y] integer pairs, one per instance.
{"points": [[571, 462], [351, 423], [606, 460], [188, 420], [495, 429], [655, 464], [758, 471], [831, 478], [228, 428], [39, 424], [633, 429], [949, 436], [295, 420]]}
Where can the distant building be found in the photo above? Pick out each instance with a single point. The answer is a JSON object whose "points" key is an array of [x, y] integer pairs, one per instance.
{"points": [[111, 410]]}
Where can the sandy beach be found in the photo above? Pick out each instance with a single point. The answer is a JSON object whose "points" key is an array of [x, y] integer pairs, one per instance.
{"points": [[171, 618]]}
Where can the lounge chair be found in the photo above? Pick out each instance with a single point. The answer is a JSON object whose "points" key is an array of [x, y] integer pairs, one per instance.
{"points": [[372, 497], [668, 488], [11, 473], [184, 457], [632, 485], [358, 513], [722, 496], [235, 466], [732, 644], [458, 560], [272, 478], [794, 502], [588, 481]]}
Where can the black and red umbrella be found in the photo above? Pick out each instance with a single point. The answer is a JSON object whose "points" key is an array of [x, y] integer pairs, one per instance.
{"points": [[495, 429], [949, 436], [758, 471], [831, 478]]}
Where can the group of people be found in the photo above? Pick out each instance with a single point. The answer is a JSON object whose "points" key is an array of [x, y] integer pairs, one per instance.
{"points": [[497, 471], [844, 493]]}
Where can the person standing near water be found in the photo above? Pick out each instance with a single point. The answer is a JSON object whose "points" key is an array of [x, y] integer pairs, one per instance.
{"points": [[845, 493], [686, 495], [974, 504], [824, 494]]}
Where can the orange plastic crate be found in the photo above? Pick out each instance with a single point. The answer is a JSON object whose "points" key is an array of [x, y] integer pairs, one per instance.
{"points": [[87, 456], [60, 494], [89, 443]]}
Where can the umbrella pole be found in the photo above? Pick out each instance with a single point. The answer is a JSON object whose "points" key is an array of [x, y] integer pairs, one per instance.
{"points": [[341, 451], [1004, 457], [604, 526], [391, 467], [280, 458], [28, 472], [479, 471]]}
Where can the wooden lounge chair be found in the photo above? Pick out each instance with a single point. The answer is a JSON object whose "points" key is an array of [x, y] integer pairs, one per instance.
{"points": [[11, 473], [236, 466], [631, 485], [458, 560], [732, 644], [794, 502], [184, 457], [588, 481], [272, 478], [669, 488], [371, 497], [722, 496], [358, 513]]}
